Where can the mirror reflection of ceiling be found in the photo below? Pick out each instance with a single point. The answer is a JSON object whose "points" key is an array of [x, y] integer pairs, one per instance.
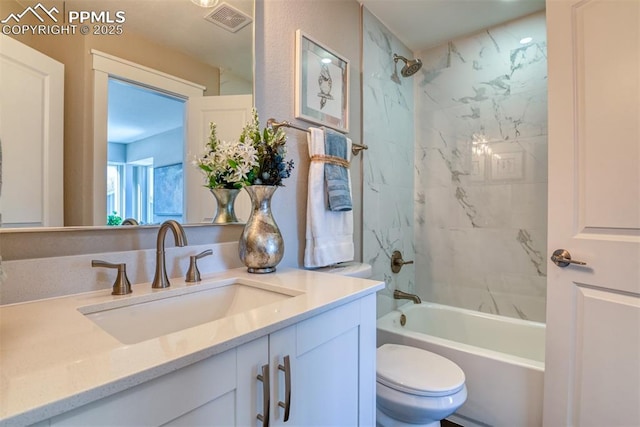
{"points": [[136, 113], [423, 24], [181, 25]]}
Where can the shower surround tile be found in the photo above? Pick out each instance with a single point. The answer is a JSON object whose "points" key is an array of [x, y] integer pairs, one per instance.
{"points": [[388, 164], [480, 171]]}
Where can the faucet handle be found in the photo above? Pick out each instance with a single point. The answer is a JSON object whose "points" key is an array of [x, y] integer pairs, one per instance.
{"points": [[121, 286], [397, 262], [193, 274]]}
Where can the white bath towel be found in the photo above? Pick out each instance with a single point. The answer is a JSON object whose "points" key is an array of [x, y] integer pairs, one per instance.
{"points": [[329, 233]]}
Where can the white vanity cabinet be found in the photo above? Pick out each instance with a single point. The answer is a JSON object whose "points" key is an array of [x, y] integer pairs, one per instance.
{"points": [[329, 378], [331, 370], [221, 390]]}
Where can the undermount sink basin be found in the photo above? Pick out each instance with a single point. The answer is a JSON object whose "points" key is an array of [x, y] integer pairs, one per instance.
{"points": [[164, 312]]}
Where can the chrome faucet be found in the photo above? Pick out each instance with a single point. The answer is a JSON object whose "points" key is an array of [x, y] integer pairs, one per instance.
{"points": [[398, 294], [160, 279]]}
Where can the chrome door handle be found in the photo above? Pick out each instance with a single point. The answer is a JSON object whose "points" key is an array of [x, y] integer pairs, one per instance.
{"points": [[287, 388], [562, 258], [264, 377]]}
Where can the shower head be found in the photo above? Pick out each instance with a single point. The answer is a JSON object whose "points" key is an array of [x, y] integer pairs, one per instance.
{"points": [[410, 66]]}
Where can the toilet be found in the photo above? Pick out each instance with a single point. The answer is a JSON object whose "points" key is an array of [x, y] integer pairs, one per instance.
{"points": [[414, 387]]}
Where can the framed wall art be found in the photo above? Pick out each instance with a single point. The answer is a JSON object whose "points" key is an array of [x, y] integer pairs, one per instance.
{"points": [[321, 84], [168, 190]]}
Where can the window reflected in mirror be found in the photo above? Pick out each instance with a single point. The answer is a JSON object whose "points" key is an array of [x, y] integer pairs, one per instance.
{"points": [[145, 154]]}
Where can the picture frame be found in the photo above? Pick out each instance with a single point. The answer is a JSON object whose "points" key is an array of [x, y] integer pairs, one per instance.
{"points": [[321, 84], [168, 189]]}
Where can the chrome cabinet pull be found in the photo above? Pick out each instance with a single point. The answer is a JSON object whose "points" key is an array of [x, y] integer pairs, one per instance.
{"points": [[264, 377], [562, 258], [287, 388]]}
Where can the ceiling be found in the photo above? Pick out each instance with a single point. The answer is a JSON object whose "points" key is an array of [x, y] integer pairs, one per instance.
{"points": [[423, 24]]}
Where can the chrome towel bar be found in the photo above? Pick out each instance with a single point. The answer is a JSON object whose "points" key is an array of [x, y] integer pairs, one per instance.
{"points": [[273, 123]]}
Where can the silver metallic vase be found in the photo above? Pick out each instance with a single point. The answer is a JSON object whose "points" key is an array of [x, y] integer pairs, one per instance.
{"points": [[226, 197], [261, 246]]}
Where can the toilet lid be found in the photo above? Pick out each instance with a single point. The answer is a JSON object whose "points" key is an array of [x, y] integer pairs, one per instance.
{"points": [[416, 371]]}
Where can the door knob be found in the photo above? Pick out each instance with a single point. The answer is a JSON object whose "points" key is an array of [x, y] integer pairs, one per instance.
{"points": [[562, 258]]}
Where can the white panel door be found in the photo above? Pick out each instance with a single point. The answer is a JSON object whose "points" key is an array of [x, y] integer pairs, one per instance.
{"points": [[230, 113], [31, 132], [592, 374]]}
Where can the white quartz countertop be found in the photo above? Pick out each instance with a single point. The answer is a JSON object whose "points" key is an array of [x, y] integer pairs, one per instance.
{"points": [[54, 359]]}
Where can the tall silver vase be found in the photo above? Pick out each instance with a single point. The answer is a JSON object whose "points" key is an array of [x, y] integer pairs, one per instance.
{"points": [[226, 197], [261, 246]]}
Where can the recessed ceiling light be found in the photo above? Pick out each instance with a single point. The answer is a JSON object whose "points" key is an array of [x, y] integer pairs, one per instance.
{"points": [[326, 61], [205, 3], [526, 40]]}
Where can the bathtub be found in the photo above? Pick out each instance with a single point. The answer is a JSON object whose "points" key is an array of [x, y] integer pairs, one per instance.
{"points": [[502, 358]]}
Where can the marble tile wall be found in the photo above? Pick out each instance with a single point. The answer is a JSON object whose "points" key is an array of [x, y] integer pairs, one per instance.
{"points": [[388, 164], [481, 171]]}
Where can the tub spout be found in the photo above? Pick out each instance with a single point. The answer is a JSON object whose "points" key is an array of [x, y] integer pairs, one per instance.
{"points": [[398, 294]]}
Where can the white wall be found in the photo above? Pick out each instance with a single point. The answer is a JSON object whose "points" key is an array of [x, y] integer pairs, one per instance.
{"points": [[231, 84], [166, 148]]}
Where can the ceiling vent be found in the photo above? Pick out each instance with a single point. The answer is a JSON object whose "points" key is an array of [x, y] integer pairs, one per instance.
{"points": [[228, 17]]}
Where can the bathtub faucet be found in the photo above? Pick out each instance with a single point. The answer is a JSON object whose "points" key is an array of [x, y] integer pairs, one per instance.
{"points": [[398, 294]]}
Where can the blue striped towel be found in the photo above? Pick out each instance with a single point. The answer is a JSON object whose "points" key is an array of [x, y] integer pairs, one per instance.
{"points": [[337, 177]]}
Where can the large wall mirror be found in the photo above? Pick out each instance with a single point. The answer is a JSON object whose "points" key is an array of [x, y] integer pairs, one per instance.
{"points": [[120, 92]]}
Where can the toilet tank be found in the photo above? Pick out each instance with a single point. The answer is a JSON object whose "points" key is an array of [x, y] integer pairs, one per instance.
{"points": [[352, 269]]}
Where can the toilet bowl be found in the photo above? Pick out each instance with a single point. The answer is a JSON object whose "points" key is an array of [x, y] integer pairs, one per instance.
{"points": [[414, 387]]}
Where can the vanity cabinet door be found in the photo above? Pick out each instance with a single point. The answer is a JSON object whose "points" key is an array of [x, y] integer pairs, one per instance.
{"points": [[329, 374], [249, 392], [222, 390], [331, 369]]}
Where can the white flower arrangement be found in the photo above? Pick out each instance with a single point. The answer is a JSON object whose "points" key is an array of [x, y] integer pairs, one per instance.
{"points": [[227, 164]]}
